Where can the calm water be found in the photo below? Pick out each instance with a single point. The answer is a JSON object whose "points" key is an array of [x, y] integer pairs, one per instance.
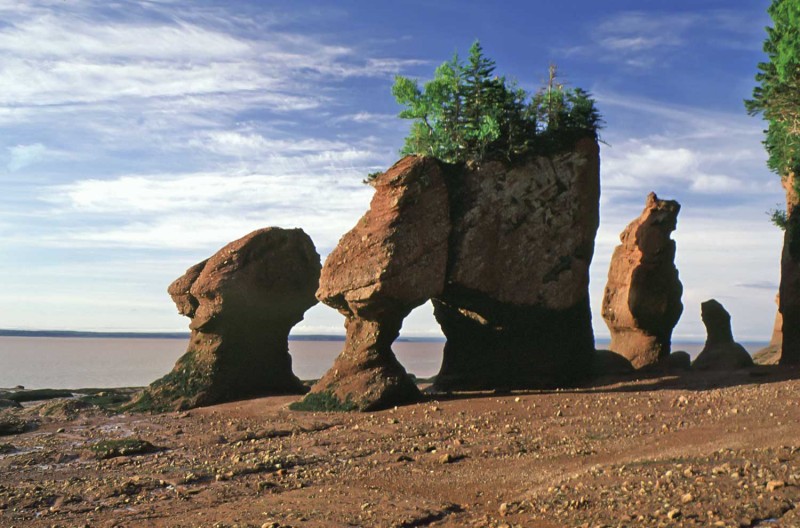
{"points": [[75, 362], [57, 362]]}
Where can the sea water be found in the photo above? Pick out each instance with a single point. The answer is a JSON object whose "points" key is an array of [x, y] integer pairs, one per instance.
{"points": [[80, 362]]}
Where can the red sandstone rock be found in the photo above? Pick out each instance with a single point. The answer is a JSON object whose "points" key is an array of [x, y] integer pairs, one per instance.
{"points": [[242, 303], [771, 354], [721, 352], [503, 250], [392, 261], [642, 301], [515, 309]]}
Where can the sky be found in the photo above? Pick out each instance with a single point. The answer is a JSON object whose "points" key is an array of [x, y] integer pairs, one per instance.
{"points": [[139, 137]]}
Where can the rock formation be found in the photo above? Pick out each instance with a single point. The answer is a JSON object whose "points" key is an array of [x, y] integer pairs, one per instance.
{"points": [[721, 352], [392, 261], [771, 354], [642, 301], [515, 309], [242, 302], [790, 277], [502, 249]]}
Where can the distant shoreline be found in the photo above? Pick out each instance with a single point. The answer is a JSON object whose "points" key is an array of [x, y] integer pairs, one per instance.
{"points": [[176, 335], [297, 337]]}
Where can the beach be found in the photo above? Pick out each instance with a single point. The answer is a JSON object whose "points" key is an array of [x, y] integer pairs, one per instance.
{"points": [[700, 449]]}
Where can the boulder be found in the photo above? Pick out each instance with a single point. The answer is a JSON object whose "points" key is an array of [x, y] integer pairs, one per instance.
{"points": [[642, 301], [679, 360], [515, 308], [720, 352], [392, 261], [771, 354], [242, 302], [608, 363]]}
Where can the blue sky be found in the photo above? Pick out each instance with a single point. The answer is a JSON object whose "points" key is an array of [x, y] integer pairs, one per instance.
{"points": [[138, 137]]}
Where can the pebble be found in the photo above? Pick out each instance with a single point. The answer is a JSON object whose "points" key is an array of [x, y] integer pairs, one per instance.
{"points": [[772, 485]]}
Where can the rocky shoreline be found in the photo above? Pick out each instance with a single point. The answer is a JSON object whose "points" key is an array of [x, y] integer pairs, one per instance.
{"points": [[699, 449]]}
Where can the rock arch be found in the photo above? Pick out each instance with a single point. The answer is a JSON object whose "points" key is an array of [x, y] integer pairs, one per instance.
{"points": [[502, 249]]}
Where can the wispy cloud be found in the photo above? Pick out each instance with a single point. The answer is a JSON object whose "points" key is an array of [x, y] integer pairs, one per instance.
{"points": [[70, 59], [640, 40], [760, 285]]}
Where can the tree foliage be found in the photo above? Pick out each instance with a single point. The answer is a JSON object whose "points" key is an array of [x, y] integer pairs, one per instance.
{"points": [[777, 96], [466, 112]]}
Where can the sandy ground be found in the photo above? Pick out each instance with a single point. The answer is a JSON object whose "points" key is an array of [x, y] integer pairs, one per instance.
{"points": [[698, 450]]}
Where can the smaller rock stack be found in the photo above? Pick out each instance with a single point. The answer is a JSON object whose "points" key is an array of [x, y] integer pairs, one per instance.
{"points": [[242, 302], [721, 351], [642, 301]]}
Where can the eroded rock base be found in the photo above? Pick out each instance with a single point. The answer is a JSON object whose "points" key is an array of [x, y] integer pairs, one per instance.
{"points": [[519, 348], [366, 376]]}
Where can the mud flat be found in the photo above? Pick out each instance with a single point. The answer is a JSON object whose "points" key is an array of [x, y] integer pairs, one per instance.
{"points": [[703, 449]]}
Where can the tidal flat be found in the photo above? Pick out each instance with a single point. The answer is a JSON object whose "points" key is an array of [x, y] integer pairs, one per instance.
{"points": [[700, 449]]}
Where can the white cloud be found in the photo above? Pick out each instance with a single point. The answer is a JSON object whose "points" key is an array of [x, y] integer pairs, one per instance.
{"points": [[20, 156], [683, 150]]}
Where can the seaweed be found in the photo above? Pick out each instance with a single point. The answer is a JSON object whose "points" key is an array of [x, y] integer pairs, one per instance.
{"points": [[324, 402], [122, 447]]}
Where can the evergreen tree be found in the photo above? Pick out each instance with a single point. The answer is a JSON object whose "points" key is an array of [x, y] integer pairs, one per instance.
{"points": [[468, 113], [777, 96]]}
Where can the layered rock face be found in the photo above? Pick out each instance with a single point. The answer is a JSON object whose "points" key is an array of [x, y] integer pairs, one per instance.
{"points": [[642, 301], [721, 352], [242, 302], [392, 261], [504, 253], [515, 308]]}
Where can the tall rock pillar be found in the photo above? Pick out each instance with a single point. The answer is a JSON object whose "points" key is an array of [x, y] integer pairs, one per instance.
{"points": [[642, 301]]}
